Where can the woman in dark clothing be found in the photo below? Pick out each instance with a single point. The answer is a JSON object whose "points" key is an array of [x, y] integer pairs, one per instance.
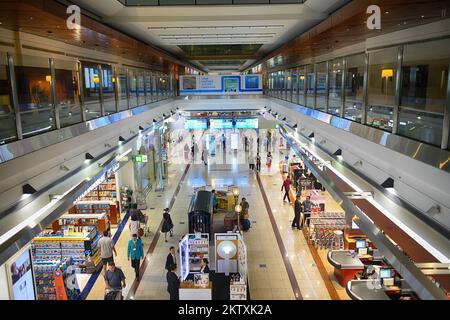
{"points": [[167, 224], [173, 283], [204, 266]]}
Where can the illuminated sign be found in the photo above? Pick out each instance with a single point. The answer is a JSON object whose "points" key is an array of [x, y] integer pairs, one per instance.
{"points": [[247, 123], [141, 158], [221, 124], [195, 124]]}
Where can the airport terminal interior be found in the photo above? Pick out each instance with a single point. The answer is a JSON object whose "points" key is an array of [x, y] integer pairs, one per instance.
{"points": [[224, 150]]}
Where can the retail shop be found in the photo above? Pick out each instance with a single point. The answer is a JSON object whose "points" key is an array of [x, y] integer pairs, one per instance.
{"points": [[227, 281], [59, 261], [216, 237], [346, 252]]}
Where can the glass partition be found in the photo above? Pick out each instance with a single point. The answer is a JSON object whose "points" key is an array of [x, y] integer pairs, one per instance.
{"points": [[335, 86], [310, 86], [140, 88], [424, 90], [68, 92], [301, 85], [288, 85], [321, 98], [132, 88], [91, 89], [155, 87], [426, 127], [294, 85], [122, 89], [381, 87], [7, 118], [109, 98], [148, 88], [33, 80], [354, 87]]}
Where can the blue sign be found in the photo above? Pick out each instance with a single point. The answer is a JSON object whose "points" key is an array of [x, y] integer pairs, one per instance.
{"points": [[196, 124]]}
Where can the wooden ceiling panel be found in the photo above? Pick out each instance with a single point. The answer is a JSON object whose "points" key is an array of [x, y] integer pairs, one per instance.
{"points": [[47, 18], [347, 26]]}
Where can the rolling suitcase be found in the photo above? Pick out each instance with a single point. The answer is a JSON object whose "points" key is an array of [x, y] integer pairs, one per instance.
{"points": [[246, 224]]}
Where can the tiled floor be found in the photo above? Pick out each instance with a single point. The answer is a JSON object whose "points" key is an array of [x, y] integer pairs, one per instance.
{"points": [[268, 276]]}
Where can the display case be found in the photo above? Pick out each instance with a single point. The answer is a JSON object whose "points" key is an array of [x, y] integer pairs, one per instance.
{"points": [[55, 280], [193, 248], [78, 243]]}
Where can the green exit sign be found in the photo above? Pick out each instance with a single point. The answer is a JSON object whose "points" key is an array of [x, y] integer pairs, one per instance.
{"points": [[141, 158]]}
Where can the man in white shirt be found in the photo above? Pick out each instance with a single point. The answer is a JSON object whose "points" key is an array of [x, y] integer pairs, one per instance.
{"points": [[106, 246]]}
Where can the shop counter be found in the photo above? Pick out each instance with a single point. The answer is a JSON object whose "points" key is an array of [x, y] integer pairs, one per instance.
{"points": [[190, 292], [364, 290], [345, 265]]}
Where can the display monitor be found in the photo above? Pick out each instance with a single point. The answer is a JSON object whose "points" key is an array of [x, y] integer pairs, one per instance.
{"points": [[361, 243], [385, 273]]}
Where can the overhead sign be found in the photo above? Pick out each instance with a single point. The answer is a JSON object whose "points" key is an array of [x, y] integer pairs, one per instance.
{"points": [[140, 158], [221, 84]]}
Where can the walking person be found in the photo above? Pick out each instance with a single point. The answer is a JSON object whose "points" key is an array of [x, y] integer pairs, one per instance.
{"points": [[224, 141], [251, 162], [297, 212], [307, 207], [258, 163], [136, 216], [171, 258], [186, 152], [287, 187], [269, 161], [173, 283], [245, 221], [257, 144], [106, 246], [114, 282], [192, 152], [204, 157], [167, 224], [215, 202], [135, 253]]}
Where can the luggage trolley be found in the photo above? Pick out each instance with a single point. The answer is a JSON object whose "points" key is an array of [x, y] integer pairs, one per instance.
{"points": [[143, 224]]}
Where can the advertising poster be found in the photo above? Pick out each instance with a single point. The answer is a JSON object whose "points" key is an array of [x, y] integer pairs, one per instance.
{"points": [[189, 83], [252, 82], [210, 83], [22, 278]]}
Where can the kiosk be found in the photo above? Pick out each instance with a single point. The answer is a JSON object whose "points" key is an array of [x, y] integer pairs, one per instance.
{"points": [[201, 212]]}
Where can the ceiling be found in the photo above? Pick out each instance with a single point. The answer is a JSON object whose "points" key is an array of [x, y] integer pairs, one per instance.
{"points": [[216, 38]]}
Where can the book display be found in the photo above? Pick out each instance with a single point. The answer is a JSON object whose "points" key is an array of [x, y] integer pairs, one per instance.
{"points": [[78, 243], [105, 191], [55, 280], [238, 288], [102, 199]]}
